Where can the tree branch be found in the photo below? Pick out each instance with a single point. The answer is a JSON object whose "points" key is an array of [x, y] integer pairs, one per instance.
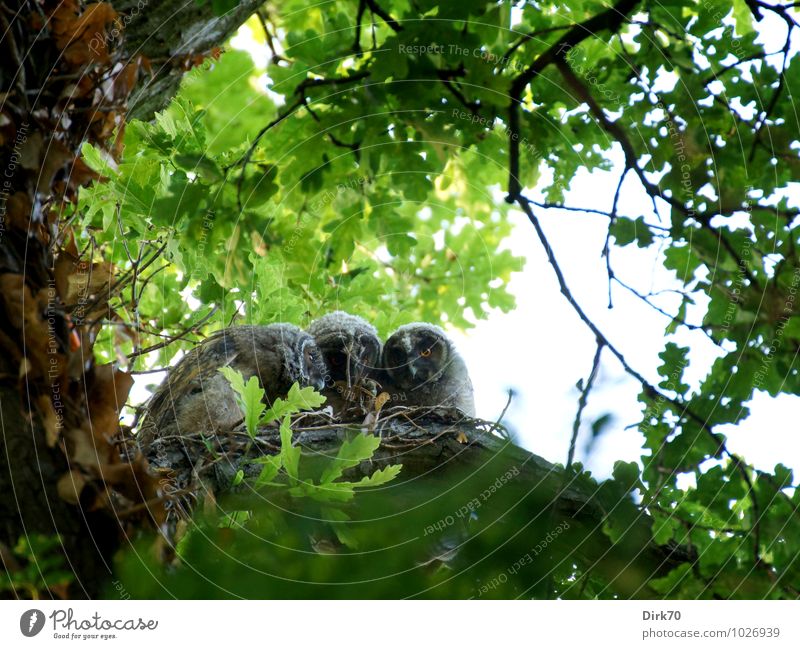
{"points": [[375, 8], [587, 388], [611, 18]]}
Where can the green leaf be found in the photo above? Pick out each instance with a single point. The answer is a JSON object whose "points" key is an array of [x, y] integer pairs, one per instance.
{"points": [[271, 465], [297, 400], [673, 580], [675, 362], [257, 189], [627, 231], [340, 522], [200, 164], [351, 453], [627, 475], [249, 397], [380, 477], [96, 160], [290, 455], [235, 519]]}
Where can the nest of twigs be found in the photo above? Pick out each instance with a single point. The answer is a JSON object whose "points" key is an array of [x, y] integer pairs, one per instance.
{"points": [[191, 467]]}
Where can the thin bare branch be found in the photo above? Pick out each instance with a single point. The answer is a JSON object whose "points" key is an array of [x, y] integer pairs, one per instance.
{"points": [[586, 389]]}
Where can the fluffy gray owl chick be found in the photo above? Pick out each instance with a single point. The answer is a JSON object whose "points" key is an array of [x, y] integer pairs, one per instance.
{"points": [[352, 350], [422, 368], [196, 398]]}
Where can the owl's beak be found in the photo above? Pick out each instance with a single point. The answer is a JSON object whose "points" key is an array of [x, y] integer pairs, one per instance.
{"points": [[320, 384]]}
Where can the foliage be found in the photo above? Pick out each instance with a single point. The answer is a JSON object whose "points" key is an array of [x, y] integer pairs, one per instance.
{"points": [[35, 569], [367, 179], [295, 235], [321, 483]]}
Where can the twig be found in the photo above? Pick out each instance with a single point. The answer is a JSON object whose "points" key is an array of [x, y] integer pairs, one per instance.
{"points": [[616, 131], [611, 18], [714, 76], [590, 210], [646, 385], [119, 284], [362, 6], [587, 387], [172, 339], [446, 77], [775, 95], [378, 11], [655, 307], [263, 18], [496, 425], [612, 217], [527, 37], [301, 100]]}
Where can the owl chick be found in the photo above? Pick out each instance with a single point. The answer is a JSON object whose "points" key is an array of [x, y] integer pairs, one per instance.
{"points": [[422, 368], [195, 397], [351, 349]]}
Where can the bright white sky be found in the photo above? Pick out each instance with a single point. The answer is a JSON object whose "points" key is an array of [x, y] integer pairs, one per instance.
{"points": [[541, 349]]}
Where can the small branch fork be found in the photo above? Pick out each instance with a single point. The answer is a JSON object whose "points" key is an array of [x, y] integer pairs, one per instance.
{"points": [[611, 18], [300, 100], [585, 390]]}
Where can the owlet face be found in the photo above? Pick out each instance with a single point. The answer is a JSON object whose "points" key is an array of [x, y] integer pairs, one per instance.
{"points": [[351, 359], [350, 346], [312, 371], [415, 356]]}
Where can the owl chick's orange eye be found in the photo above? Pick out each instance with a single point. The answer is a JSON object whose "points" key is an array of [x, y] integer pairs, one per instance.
{"points": [[425, 353]]}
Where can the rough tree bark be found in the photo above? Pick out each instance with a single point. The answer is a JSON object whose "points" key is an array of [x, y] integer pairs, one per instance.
{"points": [[55, 55]]}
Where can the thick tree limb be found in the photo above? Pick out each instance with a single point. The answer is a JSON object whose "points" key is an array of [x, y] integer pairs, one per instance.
{"points": [[170, 35], [441, 452]]}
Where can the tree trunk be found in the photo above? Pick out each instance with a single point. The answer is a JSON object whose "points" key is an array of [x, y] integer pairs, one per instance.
{"points": [[57, 54]]}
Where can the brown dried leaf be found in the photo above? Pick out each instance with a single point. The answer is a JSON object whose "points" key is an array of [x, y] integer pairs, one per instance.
{"points": [[70, 485], [61, 590], [80, 174], [64, 267], [18, 211], [125, 80], [146, 65], [83, 37], [8, 130], [209, 503], [131, 479], [31, 152], [88, 283], [381, 400], [50, 420], [55, 158], [84, 450], [108, 393], [7, 559], [90, 447], [26, 314], [25, 367]]}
